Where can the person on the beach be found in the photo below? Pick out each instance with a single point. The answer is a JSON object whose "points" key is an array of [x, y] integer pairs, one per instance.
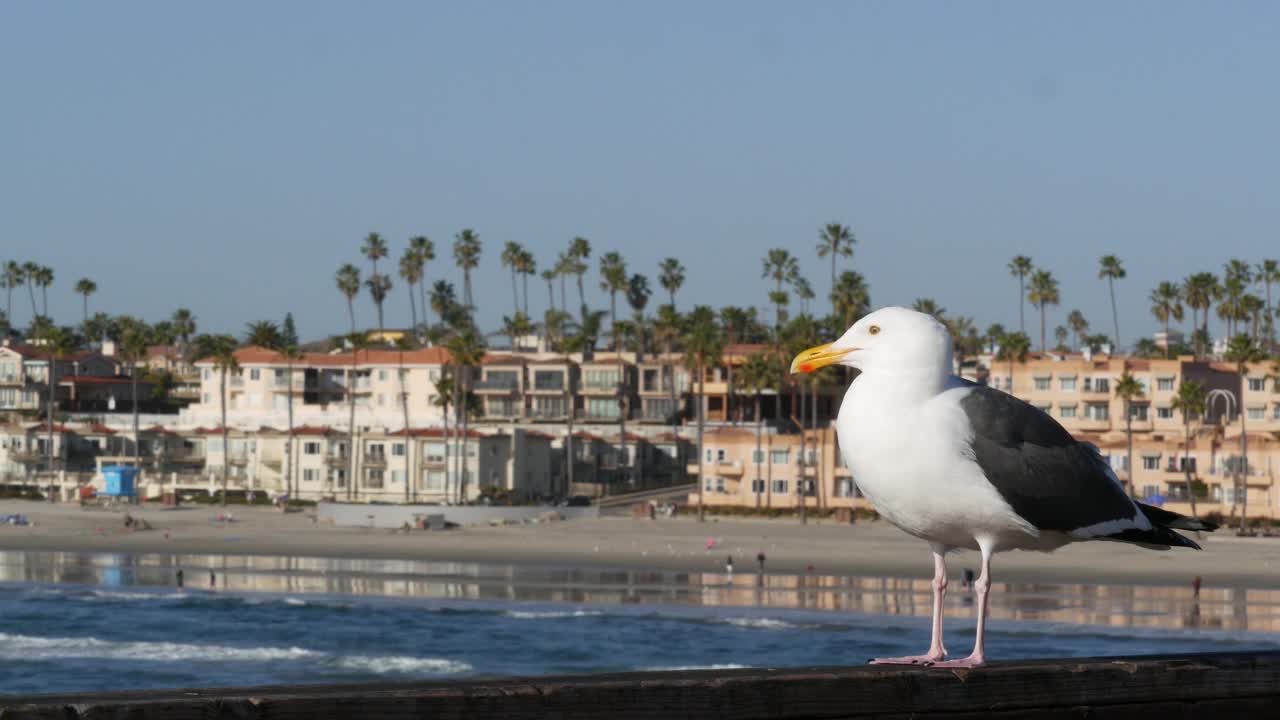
{"points": [[760, 560], [728, 565], [179, 577], [213, 581]]}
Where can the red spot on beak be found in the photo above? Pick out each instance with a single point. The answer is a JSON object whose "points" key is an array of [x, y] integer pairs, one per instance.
{"points": [[806, 368]]}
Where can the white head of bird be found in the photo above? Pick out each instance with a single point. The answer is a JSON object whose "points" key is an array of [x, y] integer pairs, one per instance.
{"points": [[889, 341]]}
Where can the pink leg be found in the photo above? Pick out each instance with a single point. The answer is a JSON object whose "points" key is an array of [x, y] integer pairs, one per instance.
{"points": [[977, 658], [936, 650]]}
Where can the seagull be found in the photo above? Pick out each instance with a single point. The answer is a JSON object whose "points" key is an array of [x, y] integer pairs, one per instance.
{"points": [[963, 466]]}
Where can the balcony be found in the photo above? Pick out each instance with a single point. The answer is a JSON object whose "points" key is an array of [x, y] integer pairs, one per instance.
{"points": [[597, 416], [727, 468], [498, 385], [433, 461], [600, 387], [337, 460], [553, 384], [238, 459], [547, 414], [375, 460], [26, 455]]}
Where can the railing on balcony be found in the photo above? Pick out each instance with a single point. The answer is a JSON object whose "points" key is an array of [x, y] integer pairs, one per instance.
{"points": [[601, 385], [549, 384], [336, 459], [547, 413], [375, 460]]}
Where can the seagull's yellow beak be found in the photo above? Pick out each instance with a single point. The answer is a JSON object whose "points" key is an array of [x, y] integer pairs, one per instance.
{"points": [[818, 357]]}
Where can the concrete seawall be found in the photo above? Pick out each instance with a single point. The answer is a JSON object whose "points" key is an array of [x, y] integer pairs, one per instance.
{"points": [[1187, 687]]}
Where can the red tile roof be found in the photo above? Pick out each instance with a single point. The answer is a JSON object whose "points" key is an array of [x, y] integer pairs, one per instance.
{"points": [[42, 427], [436, 433], [313, 430], [95, 380], [100, 428], [263, 356], [493, 359]]}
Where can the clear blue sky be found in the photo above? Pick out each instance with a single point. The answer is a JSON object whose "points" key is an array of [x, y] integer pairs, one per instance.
{"points": [[229, 156]]}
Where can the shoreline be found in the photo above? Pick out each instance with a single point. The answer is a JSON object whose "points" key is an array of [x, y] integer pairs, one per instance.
{"points": [[864, 549]]}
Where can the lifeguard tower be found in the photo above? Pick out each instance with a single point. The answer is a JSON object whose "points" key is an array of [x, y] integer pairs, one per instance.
{"points": [[119, 481]]}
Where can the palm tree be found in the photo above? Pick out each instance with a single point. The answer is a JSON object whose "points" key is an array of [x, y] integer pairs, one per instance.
{"points": [[837, 241], [86, 287], [1020, 267], [1060, 335], [526, 265], [613, 280], [374, 248], [466, 347], [1190, 401], [1110, 269], [291, 355], [1043, 293], [804, 291], [221, 350], [1129, 389], [781, 267], [964, 338], [550, 277], [14, 276], [443, 299], [422, 246], [510, 258], [1198, 292], [135, 336], [1242, 350], [1013, 348], [356, 342], [44, 278], [516, 327], [929, 306], [703, 346], [31, 273], [851, 298], [466, 253], [1166, 303], [755, 377], [638, 294], [1079, 326], [671, 277], [184, 326], [348, 281], [58, 343], [1267, 273], [667, 327], [264, 334], [578, 252], [379, 285], [411, 265]]}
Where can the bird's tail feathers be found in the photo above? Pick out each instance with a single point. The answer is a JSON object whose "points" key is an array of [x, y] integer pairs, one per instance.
{"points": [[1163, 518]]}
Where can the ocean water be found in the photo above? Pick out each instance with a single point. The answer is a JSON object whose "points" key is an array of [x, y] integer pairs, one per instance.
{"points": [[78, 623]]}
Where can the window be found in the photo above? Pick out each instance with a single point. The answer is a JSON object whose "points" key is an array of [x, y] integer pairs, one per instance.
{"points": [[1139, 412], [779, 457], [373, 479], [1042, 383], [1257, 384], [1257, 413], [1067, 411], [846, 487], [397, 477], [255, 374], [708, 454], [397, 449], [757, 456], [382, 376], [1119, 462], [433, 480], [1067, 384], [1096, 411], [1044, 408], [720, 456], [435, 452], [311, 448], [1164, 384], [376, 450], [1097, 385], [780, 487], [1275, 413], [1151, 462], [757, 486], [1149, 491], [310, 475], [1164, 413]]}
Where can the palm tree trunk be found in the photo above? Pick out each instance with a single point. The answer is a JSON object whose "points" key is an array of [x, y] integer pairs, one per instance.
{"points": [[1244, 475], [524, 289], [226, 447], [351, 427], [568, 449], [404, 404], [1022, 303], [31, 290], [49, 414], [288, 463], [582, 298], [86, 309], [462, 481], [803, 489], [1186, 466], [515, 298], [413, 314], [44, 299], [1128, 435], [702, 506], [1042, 306], [759, 455], [351, 310], [447, 454]]}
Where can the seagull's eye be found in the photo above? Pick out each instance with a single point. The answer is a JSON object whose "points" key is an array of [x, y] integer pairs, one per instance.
{"points": [[874, 330]]}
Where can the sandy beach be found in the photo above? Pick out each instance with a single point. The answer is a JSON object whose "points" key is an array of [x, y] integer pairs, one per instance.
{"points": [[868, 548]]}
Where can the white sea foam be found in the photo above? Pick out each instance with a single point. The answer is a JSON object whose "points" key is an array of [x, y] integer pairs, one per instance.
{"points": [[18, 647], [725, 666], [121, 595], [548, 614], [386, 664], [762, 623], [294, 601]]}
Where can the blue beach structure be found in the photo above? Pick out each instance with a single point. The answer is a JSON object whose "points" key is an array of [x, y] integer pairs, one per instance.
{"points": [[119, 480]]}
